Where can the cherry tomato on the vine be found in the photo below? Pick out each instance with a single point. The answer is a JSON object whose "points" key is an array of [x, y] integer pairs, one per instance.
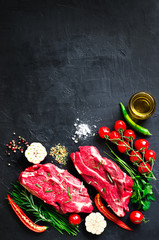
{"points": [[150, 156], [120, 126], [104, 131], [74, 219], [129, 135], [135, 157], [144, 168], [114, 136], [136, 217], [123, 146], [141, 145]]}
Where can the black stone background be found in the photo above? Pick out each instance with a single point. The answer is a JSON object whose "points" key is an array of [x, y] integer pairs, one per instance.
{"points": [[63, 60]]}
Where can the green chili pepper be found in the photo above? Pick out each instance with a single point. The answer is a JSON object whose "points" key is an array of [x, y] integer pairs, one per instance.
{"points": [[132, 123]]}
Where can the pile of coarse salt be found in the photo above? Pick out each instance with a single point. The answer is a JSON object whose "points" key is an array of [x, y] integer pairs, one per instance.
{"points": [[83, 130]]}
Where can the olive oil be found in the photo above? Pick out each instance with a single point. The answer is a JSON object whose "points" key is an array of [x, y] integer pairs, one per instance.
{"points": [[142, 105]]}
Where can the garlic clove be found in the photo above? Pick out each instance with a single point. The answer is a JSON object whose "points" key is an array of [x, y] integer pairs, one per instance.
{"points": [[35, 153], [89, 228], [103, 224], [95, 223], [93, 231]]}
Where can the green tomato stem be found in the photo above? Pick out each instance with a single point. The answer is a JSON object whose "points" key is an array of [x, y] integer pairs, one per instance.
{"points": [[142, 159]]}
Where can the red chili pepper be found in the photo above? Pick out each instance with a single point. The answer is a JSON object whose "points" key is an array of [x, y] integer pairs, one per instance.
{"points": [[108, 214], [25, 220]]}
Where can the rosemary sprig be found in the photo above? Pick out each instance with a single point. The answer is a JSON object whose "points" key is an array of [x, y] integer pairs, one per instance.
{"points": [[42, 211]]}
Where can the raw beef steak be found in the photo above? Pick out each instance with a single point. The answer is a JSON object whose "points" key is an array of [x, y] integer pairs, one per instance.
{"points": [[109, 180], [56, 187]]}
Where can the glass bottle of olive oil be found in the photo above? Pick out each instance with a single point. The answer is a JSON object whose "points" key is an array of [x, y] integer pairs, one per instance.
{"points": [[142, 105]]}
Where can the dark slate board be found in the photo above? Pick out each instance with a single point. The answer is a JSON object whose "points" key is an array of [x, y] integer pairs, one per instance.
{"points": [[63, 60]]}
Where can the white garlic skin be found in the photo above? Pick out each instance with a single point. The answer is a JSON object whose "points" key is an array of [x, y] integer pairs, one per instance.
{"points": [[35, 153], [95, 223]]}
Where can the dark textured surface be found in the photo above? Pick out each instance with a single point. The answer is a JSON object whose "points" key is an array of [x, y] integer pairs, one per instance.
{"points": [[63, 60]]}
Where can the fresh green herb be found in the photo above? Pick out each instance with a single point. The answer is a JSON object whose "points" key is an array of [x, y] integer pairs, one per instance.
{"points": [[81, 187], [109, 177], [38, 185], [98, 165], [63, 179], [48, 174], [47, 191], [68, 193], [42, 211], [142, 190], [45, 181], [58, 174], [103, 163], [103, 191], [68, 201]]}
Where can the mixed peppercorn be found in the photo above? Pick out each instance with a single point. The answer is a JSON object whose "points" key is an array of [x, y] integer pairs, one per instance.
{"points": [[16, 145]]}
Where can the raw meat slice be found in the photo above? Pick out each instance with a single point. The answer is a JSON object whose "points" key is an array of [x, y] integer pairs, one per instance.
{"points": [[111, 182], [56, 187]]}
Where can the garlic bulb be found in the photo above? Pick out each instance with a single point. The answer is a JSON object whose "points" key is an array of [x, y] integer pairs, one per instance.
{"points": [[35, 153], [95, 223]]}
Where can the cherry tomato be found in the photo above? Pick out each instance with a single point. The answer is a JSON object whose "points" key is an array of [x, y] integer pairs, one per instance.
{"points": [[141, 145], [120, 126], [150, 156], [123, 146], [144, 168], [135, 157], [114, 136], [136, 217], [129, 135], [74, 219], [104, 131]]}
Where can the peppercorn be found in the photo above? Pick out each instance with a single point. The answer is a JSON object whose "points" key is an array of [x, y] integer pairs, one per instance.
{"points": [[14, 145]]}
